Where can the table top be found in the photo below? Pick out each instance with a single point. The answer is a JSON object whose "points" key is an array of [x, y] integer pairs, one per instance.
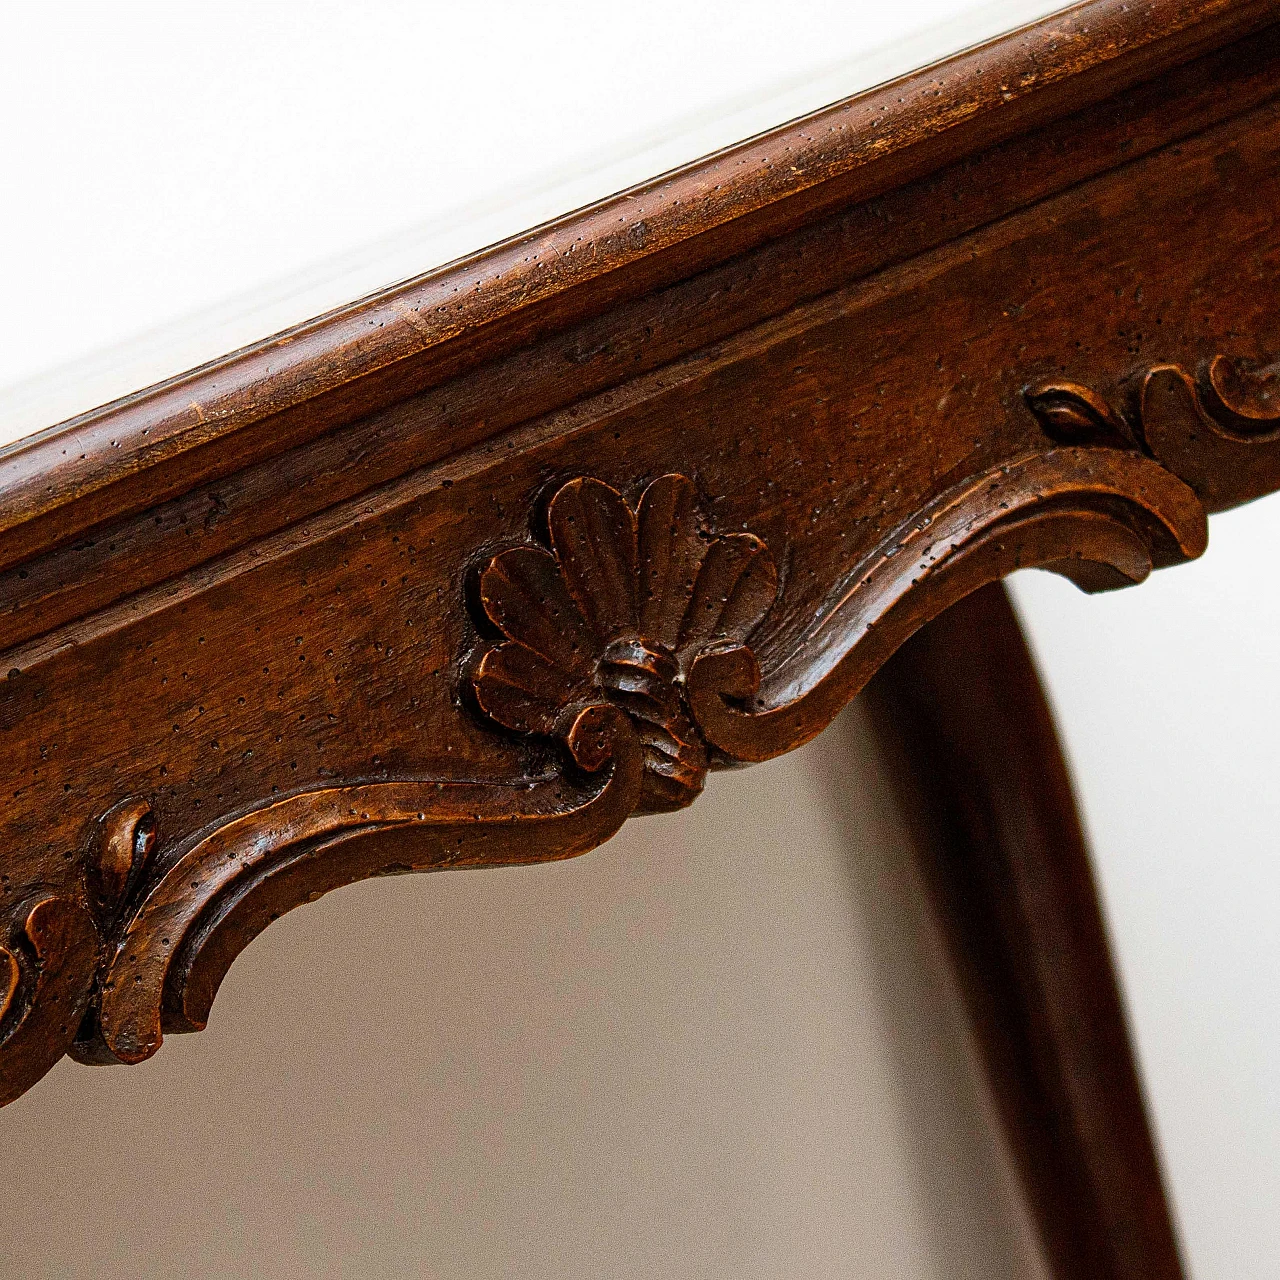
{"points": [[193, 187]]}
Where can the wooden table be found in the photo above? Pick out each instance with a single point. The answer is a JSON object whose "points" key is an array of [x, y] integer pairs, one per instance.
{"points": [[469, 572]]}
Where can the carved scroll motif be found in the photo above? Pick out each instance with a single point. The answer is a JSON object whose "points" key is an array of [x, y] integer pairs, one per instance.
{"points": [[1101, 517], [1220, 433], [54, 946]]}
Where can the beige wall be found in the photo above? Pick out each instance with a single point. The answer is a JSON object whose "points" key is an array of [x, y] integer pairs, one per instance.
{"points": [[724, 1045]]}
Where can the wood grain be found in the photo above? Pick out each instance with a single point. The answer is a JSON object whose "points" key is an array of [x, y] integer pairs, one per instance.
{"points": [[359, 359], [98, 560]]}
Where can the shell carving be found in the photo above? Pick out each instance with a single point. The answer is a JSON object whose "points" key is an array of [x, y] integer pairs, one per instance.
{"points": [[615, 612]]}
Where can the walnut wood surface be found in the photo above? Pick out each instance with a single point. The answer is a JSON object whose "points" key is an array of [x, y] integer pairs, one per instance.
{"points": [[961, 709], [79, 556], [378, 352], [469, 572]]}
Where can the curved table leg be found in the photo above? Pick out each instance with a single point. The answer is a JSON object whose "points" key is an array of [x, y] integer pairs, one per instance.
{"points": [[962, 713]]}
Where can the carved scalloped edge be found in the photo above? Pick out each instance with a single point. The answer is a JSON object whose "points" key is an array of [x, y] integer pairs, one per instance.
{"points": [[233, 881], [1101, 516]]}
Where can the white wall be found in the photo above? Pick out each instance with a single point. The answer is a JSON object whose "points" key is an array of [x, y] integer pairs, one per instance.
{"points": [[183, 179], [725, 1045], [1168, 699]]}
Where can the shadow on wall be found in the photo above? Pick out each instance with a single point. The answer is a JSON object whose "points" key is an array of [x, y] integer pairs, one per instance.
{"points": [[725, 1044]]}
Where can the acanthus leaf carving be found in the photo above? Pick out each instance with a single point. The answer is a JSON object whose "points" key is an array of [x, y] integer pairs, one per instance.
{"points": [[122, 842], [1220, 433], [616, 611], [46, 977], [1072, 414], [54, 950]]}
